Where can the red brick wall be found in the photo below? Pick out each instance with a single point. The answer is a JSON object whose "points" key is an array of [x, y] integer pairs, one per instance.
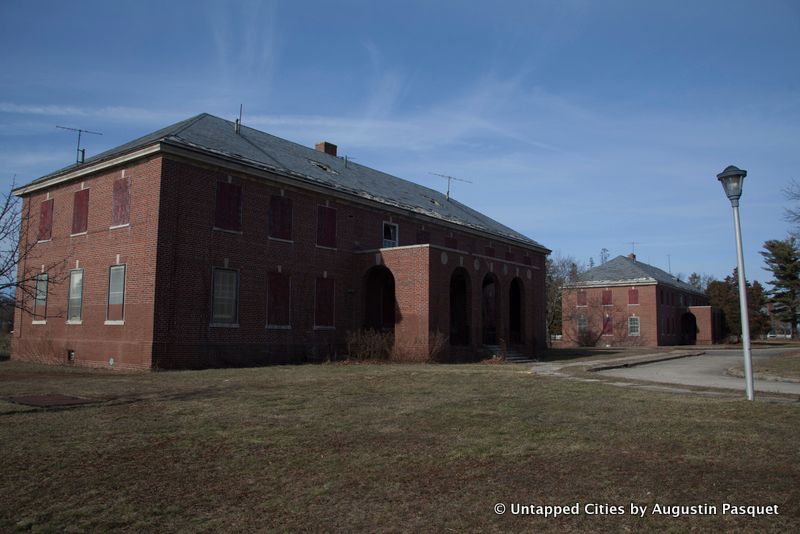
{"points": [[93, 341]]}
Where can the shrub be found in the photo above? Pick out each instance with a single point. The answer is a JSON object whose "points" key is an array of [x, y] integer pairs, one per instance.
{"points": [[369, 344]]}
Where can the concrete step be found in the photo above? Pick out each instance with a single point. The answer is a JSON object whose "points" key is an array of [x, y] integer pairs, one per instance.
{"points": [[512, 356]]}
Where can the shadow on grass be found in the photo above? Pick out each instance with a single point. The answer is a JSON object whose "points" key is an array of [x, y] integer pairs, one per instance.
{"points": [[551, 355]]}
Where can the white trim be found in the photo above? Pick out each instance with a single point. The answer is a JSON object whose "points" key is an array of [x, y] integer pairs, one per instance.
{"points": [[326, 248], [38, 321], [224, 325], [114, 322], [44, 240], [279, 327], [225, 230], [85, 232], [119, 226], [280, 240], [75, 322]]}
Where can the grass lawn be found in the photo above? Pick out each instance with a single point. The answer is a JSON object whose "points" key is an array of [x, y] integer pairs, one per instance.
{"points": [[782, 366], [381, 448]]}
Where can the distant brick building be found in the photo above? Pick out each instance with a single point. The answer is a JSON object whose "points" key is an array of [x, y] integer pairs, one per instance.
{"points": [[206, 244], [627, 302]]}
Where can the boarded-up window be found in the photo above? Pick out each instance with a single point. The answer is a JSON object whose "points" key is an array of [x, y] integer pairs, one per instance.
{"points": [[606, 297], [116, 293], [324, 302], [228, 214], [581, 297], [490, 252], [225, 297], [423, 237], [46, 220], [633, 296], [451, 242], [326, 226], [280, 218], [121, 211], [75, 298], [278, 299], [80, 211], [608, 325], [40, 301]]}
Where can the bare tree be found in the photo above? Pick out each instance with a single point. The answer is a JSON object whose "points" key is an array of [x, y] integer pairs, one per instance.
{"points": [[792, 214], [20, 262], [597, 324], [560, 270]]}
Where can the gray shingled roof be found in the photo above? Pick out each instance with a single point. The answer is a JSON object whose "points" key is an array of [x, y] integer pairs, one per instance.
{"points": [[210, 134], [623, 269]]}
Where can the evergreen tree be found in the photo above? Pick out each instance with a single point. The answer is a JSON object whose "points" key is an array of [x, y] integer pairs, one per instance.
{"points": [[783, 261], [724, 295]]}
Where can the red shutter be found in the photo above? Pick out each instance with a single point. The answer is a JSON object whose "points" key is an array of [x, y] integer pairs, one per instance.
{"points": [[46, 220], [606, 297], [323, 309], [581, 297], [633, 296], [80, 211], [228, 214], [451, 242], [326, 226], [278, 299], [280, 218], [122, 197]]}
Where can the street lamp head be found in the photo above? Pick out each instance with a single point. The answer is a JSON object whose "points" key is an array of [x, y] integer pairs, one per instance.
{"points": [[731, 179]]}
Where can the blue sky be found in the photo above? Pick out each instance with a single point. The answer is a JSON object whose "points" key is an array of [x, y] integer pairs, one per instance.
{"points": [[583, 124]]}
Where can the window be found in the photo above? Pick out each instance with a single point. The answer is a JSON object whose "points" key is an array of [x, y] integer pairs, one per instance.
{"points": [[228, 214], [46, 220], [583, 324], [510, 256], [121, 211], [40, 299], [389, 235], [489, 251], [225, 298], [606, 297], [608, 325], [423, 237], [661, 296], [326, 226], [633, 296], [527, 260], [80, 212], [75, 301], [324, 303], [451, 242], [278, 300], [682, 299], [280, 218], [116, 293], [633, 326], [581, 297]]}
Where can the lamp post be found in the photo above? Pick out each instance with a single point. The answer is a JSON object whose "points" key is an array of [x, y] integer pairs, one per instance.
{"points": [[732, 179]]}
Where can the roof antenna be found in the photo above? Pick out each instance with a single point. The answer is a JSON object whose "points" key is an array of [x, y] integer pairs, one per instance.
{"points": [[346, 159], [238, 125], [81, 154], [633, 246], [669, 263], [449, 178]]}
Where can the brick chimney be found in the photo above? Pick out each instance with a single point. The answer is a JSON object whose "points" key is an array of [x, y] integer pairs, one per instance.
{"points": [[632, 256], [328, 148]]}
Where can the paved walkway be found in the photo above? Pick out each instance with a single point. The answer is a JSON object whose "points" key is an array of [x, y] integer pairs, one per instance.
{"points": [[675, 371]]}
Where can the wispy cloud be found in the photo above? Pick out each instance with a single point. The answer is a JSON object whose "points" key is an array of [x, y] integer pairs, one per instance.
{"points": [[112, 113]]}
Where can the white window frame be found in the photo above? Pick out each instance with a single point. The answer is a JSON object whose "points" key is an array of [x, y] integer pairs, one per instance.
{"points": [[388, 243], [71, 297], [582, 324], [124, 268], [234, 323], [41, 277], [634, 332]]}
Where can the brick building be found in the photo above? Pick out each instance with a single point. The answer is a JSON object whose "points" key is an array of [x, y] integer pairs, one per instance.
{"points": [[627, 302], [208, 243]]}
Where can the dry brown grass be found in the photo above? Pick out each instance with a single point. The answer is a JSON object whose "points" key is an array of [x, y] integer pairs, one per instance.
{"points": [[380, 448]]}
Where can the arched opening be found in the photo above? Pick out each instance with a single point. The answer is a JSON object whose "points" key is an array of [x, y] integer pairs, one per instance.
{"points": [[515, 312], [489, 308], [379, 300], [459, 307], [688, 329]]}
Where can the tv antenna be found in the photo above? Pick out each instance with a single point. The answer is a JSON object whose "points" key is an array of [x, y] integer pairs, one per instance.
{"points": [[449, 179], [633, 246], [80, 156]]}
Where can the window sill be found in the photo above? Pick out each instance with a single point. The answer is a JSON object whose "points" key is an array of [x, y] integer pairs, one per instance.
{"points": [[75, 322], [44, 240], [279, 327], [79, 234], [225, 230], [280, 240], [115, 322], [39, 322], [224, 325], [636, 304], [323, 247], [324, 327], [119, 226]]}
